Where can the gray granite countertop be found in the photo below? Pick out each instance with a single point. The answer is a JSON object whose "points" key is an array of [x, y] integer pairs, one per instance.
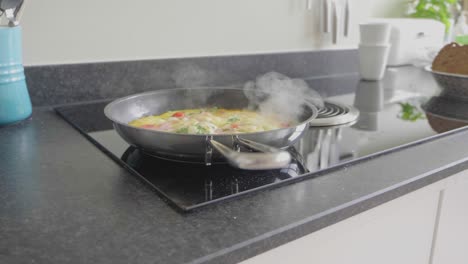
{"points": [[64, 201]]}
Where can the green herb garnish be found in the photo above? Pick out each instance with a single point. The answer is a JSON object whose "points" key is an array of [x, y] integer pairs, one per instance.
{"points": [[183, 130], [233, 119], [201, 130], [410, 112]]}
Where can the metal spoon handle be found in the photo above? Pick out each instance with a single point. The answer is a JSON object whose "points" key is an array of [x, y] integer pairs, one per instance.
{"points": [[346, 18], [334, 22], [326, 16], [15, 13], [8, 4]]}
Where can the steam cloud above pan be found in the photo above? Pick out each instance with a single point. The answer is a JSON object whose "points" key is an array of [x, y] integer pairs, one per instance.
{"points": [[275, 93], [270, 93]]}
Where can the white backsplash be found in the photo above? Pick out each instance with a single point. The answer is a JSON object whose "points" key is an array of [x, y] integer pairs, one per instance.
{"points": [[58, 31]]}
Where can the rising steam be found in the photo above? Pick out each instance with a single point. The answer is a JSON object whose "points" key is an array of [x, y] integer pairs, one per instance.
{"points": [[275, 93], [190, 75], [272, 93]]}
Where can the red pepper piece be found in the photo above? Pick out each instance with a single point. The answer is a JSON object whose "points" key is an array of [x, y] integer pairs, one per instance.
{"points": [[178, 114]]}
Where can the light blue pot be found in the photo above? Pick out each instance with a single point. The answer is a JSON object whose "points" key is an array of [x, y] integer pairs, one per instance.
{"points": [[15, 104]]}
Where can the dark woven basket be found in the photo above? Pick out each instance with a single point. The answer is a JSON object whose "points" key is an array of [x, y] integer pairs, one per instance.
{"points": [[453, 85]]}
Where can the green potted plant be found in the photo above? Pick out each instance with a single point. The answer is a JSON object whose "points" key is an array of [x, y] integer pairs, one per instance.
{"points": [[440, 10]]}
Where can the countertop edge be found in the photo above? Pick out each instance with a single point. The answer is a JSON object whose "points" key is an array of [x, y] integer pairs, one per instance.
{"points": [[289, 233]]}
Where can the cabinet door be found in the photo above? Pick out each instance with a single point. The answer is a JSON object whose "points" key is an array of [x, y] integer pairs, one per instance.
{"points": [[451, 240], [399, 231]]}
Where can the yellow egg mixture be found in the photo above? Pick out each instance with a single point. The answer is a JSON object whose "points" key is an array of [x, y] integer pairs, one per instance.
{"points": [[210, 121]]}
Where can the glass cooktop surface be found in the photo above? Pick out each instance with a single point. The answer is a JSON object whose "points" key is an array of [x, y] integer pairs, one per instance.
{"points": [[389, 119]]}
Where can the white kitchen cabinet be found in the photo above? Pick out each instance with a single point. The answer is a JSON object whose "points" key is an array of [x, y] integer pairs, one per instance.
{"points": [[451, 240], [400, 231]]}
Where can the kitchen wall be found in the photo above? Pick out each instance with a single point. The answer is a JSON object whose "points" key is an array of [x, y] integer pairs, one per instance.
{"points": [[71, 31]]}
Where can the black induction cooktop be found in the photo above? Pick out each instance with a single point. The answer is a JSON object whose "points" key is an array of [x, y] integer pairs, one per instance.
{"points": [[388, 120]]}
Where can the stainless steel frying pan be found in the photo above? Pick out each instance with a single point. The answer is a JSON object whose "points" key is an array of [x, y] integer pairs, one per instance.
{"points": [[199, 148]]}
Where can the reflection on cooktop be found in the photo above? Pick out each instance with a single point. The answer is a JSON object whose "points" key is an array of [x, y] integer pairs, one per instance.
{"points": [[188, 185], [446, 113]]}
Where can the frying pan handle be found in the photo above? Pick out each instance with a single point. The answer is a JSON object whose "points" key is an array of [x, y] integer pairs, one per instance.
{"points": [[273, 159], [252, 145]]}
